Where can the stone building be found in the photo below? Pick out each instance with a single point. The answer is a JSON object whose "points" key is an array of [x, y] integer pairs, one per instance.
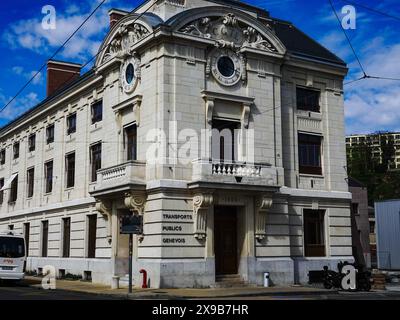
{"points": [[132, 136]]}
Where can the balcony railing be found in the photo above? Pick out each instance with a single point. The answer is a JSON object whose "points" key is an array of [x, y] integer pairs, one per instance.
{"points": [[236, 169], [131, 172], [234, 172]]}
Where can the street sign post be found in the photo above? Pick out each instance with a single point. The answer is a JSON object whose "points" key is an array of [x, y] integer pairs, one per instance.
{"points": [[131, 224]]}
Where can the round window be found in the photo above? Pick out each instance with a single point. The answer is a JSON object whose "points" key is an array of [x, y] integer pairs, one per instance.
{"points": [[226, 66], [129, 73]]}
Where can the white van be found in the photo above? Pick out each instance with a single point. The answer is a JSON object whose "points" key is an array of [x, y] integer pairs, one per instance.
{"points": [[12, 256]]}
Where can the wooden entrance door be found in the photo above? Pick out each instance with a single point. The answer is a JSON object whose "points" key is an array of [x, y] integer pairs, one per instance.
{"points": [[225, 240]]}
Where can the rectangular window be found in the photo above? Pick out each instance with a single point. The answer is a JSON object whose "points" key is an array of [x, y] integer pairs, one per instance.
{"points": [[95, 161], [14, 189], [224, 140], [130, 142], [310, 154], [92, 225], [26, 236], [30, 178], [3, 156], [48, 175], [50, 134], [71, 123], [45, 237], [1, 192], [70, 169], [16, 150], [97, 111], [66, 236], [307, 99], [32, 142], [314, 234]]}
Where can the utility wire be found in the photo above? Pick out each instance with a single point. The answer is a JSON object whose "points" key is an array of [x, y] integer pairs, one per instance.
{"points": [[365, 75], [371, 9], [105, 47], [371, 77], [347, 37], [52, 56]]}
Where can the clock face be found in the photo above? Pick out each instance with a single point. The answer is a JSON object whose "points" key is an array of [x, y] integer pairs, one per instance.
{"points": [[129, 74], [226, 66]]}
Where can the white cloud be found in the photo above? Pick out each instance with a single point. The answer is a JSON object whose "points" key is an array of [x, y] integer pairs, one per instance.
{"points": [[370, 104], [27, 75], [29, 33], [18, 106]]}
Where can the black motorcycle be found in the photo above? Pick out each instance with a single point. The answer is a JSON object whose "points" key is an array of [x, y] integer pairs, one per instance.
{"points": [[334, 279]]}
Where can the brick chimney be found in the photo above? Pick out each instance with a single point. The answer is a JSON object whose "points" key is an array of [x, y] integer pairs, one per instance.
{"points": [[116, 15], [60, 73]]}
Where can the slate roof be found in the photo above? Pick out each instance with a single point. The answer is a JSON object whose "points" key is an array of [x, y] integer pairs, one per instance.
{"points": [[301, 44]]}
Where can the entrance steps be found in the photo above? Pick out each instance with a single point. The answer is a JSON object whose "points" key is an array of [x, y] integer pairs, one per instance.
{"points": [[229, 281]]}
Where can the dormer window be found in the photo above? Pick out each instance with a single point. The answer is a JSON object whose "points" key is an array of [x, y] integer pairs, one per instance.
{"points": [[308, 99]]}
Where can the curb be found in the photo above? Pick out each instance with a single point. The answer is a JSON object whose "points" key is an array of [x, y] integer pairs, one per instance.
{"points": [[166, 296]]}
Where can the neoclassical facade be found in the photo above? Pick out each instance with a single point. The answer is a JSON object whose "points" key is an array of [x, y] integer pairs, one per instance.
{"points": [[132, 136]]}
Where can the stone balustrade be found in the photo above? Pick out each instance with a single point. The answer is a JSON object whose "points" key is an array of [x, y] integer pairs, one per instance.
{"points": [[234, 172]]}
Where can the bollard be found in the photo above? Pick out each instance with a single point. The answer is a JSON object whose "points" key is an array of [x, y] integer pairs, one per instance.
{"points": [[266, 279]]}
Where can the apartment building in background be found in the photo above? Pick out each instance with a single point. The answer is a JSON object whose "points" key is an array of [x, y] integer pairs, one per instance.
{"points": [[380, 145]]}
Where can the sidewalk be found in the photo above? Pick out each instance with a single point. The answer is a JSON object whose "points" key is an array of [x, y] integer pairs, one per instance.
{"points": [[207, 293]]}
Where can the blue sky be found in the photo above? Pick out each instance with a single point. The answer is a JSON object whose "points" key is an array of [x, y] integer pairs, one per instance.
{"points": [[370, 105]]}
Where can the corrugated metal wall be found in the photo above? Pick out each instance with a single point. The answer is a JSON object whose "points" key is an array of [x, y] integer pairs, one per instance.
{"points": [[387, 215]]}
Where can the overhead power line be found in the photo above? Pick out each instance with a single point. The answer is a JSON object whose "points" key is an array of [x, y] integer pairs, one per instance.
{"points": [[52, 56], [356, 4], [99, 51], [365, 75], [371, 77], [347, 37]]}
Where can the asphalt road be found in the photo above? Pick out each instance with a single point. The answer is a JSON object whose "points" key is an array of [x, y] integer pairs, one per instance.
{"points": [[338, 296], [11, 291]]}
